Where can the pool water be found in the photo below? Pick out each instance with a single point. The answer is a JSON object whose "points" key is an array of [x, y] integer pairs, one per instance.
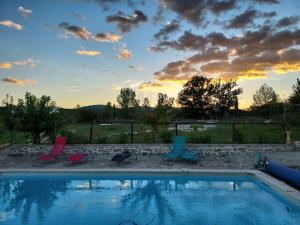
{"points": [[93, 199]]}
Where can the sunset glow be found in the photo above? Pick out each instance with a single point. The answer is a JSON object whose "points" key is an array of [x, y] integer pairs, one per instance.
{"points": [[82, 52]]}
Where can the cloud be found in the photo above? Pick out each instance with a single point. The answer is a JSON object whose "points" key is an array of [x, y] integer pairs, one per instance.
{"points": [[11, 24], [27, 62], [211, 54], [243, 20], [266, 1], [191, 10], [149, 86], [126, 23], [218, 7], [127, 83], [167, 29], [124, 54], [89, 53], [187, 41], [249, 55], [154, 48], [6, 66], [288, 21], [19, 82], [108, 37], [108, 4], [176, 71], [80, 32], [78, 16], [24, 12], [268, 14], [139, 69]]}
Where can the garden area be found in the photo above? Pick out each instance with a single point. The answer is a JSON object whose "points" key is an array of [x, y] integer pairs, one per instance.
{"points": [[119, 133]]}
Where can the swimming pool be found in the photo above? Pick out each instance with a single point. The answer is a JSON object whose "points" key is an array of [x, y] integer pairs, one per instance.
{"points": [[141, 198]]}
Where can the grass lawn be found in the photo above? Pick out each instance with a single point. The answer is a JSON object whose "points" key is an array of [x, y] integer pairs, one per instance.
{"points": [[120, 133], [5, 136]]}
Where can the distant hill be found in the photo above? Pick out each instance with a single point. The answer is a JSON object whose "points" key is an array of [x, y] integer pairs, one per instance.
{"points": [[98, 108]]}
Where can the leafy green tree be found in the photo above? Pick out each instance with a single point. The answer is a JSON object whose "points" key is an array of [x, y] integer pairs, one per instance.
{"points": [[226, 96], [196, 96], [108, 111], [145, 108], [128, 102], [164, 106], [37, 115], [10, 118], [146, 103], [295, 97], [265, 95]]}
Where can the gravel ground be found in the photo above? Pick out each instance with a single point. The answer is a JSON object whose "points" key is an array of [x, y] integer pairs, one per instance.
{"points": [[236, 161]]}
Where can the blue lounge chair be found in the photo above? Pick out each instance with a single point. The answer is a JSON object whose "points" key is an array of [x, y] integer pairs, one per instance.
{"points": [[178, 147], [178, 151], [191, 156]]}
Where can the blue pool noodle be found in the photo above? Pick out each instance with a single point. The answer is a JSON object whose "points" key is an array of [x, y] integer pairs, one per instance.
{"points": [[285, 173]]}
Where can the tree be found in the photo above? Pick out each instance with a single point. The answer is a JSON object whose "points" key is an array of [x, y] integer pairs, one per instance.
{"points": [[10, 118], [146, 103], [108, 111], [164, 105], [226, 96], [37, 115], [128, 102], [196, 95], [265, 95], [145, 108], [295, 97]]}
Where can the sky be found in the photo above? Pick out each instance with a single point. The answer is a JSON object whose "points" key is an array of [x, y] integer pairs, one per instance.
{"points": [[84, 51]]}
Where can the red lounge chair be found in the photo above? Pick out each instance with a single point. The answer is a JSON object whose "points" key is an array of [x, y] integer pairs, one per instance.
{"points": [[77, 157], [60, 143]]}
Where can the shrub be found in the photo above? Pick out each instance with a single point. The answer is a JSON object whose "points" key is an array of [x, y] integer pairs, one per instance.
{"points": [[74, 138], [166, 136], [121, 139], [238, 137], [199, 137], [102, 140]]}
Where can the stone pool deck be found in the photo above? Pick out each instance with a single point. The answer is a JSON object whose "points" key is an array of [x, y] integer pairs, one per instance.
{"points": [[154, 161]]}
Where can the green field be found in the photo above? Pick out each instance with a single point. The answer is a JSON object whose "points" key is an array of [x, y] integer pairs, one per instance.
{"points": [[196, 133]]}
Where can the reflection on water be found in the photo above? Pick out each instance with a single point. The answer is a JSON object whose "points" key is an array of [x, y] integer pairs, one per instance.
{"points": [[58, 200]]}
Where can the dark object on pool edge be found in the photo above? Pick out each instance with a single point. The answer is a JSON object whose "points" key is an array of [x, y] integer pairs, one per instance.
{"points": [[285, 173], [120, 157]]}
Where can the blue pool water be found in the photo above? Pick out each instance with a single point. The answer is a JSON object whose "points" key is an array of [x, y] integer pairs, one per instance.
{"points": [[141, 199]]}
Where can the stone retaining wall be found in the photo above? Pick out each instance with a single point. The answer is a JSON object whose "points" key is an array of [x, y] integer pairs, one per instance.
{"points": [[149, 149]]}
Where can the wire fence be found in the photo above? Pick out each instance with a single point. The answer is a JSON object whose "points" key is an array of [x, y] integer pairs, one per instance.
{"points": [[195, 132]]}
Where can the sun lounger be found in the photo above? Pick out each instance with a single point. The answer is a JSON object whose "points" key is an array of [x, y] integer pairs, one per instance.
{"points": [[60, 143], [77, 158], [120, 157], [179, 151]]}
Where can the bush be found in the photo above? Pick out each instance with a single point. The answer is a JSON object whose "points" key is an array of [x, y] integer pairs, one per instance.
{"points": [[238, 137], [199, 137], [74, 138], [121, 139], [166, 136], [101, 140]]}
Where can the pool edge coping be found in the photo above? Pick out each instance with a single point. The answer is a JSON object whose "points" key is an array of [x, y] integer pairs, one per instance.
{"points": [[289, 192]]}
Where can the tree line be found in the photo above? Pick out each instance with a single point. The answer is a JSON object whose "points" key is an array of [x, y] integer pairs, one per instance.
{"points": [[201, 98]]}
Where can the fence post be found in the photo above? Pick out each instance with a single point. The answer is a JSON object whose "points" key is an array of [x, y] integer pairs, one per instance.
{"points": [[233, 133], [91, 131], [176, 129], [131, 132]]}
